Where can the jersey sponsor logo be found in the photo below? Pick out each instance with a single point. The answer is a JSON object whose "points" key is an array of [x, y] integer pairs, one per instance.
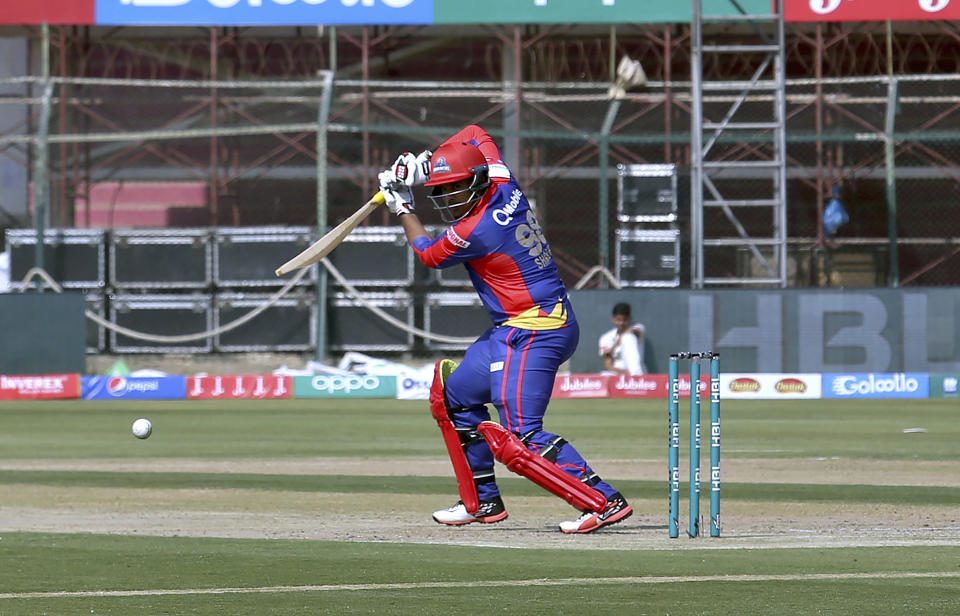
{"points": [[455, 239], [496, 366], [503, 216]]}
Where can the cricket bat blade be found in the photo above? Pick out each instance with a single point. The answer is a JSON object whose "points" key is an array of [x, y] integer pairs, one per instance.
{"points": [[332, 239]]}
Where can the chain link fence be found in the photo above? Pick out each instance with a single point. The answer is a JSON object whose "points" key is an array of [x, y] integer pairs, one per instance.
{"points": [[245, 153]]}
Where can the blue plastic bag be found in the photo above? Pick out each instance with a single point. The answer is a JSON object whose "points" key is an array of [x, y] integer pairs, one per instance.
{"points": [[834, 215]]}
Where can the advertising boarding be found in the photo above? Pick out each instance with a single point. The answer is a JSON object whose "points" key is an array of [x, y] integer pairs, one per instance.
{"points": [[239, 387], [134, 388], [263, 12], [39, 387], [876, 385], [345, 386], [767, 386]]}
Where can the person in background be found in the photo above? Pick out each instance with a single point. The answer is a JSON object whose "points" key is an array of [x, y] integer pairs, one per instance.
{"points": [[495, 233], [622, 347]]}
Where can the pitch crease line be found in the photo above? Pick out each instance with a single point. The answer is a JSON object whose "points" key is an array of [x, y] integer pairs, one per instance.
{"points": [[488, 584]]}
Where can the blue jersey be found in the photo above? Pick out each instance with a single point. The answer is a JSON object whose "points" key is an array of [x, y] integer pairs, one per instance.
{"points": [[504, 250]]}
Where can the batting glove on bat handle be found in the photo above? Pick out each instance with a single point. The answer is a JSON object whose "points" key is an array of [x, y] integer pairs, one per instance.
{"points": [[396, 194]]}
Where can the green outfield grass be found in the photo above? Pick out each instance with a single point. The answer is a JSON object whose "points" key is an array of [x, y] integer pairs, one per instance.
{"points": [[113, 574], [395, 428]]}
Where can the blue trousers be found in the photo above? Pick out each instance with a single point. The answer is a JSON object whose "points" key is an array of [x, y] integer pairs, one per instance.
{"points": [[514, 369]]}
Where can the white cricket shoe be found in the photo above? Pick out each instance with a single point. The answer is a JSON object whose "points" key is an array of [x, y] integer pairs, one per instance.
{"points": [[616, 510], [490, 511]]}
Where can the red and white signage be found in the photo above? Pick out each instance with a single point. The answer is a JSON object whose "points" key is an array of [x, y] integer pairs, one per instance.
{"points": [[581, 386], [39, 387], [770, 386], [239, 387], [871, 10]]}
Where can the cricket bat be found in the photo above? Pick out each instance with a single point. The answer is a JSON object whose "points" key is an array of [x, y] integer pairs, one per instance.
{"points": [[331, 240]]}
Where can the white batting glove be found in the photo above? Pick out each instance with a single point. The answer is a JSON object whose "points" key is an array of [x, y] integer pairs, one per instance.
{"points": [[413, 170], [396, 195]]}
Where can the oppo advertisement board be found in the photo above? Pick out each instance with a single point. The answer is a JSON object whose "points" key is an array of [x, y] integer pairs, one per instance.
{"points": [[345, 386], [134, 388]]}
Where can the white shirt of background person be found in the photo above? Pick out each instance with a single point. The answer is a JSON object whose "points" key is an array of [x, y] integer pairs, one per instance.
{"points": [[626, 350]]}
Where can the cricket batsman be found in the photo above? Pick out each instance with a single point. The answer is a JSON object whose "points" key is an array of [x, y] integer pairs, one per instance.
{"points": [[494, 233]]}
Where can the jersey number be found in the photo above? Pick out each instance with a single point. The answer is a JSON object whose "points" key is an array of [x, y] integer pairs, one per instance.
{"points": [[530, 236]]}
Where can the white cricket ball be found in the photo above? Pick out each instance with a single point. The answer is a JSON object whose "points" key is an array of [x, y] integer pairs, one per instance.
{"points": [[142, 428]]}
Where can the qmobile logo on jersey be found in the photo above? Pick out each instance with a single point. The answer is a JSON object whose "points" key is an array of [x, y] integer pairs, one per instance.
{"points": [[895, 383], [504, 215]]}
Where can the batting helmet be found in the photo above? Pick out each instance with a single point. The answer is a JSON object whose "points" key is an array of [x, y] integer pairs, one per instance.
{"points": [[452, 165]]}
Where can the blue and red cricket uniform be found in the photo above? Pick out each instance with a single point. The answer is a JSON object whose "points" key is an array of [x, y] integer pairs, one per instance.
{"points": [[514, 363]]}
